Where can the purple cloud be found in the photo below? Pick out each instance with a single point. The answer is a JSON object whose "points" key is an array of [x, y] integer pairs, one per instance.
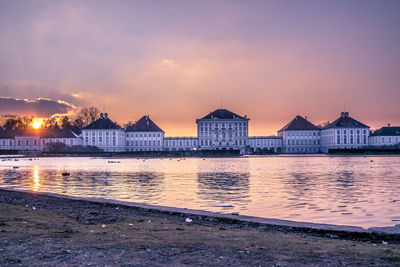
{"points": [[41, 107]]}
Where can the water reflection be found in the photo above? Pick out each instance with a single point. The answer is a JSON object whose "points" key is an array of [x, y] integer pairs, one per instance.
{"points": [[338, 190], [224, 189], [301, 184], [145, 185], [36, 178]]}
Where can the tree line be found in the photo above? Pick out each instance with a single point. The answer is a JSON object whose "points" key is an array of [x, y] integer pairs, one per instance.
{"points": [[83, 118]]}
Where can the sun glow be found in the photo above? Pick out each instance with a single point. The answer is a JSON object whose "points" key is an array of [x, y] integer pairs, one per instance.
{"points": [[37, 123]]}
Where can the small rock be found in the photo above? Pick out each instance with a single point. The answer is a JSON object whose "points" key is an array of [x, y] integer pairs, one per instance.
{"points": [[188, 220], [33, 208], [131, 224], [103, 225], [149, 221], [384, 242]]}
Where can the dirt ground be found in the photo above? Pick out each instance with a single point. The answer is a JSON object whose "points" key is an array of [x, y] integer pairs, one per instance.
{"points": [[45, 231]]}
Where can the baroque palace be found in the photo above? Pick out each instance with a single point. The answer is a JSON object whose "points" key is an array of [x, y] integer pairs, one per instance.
{"points": [[219, 130]]}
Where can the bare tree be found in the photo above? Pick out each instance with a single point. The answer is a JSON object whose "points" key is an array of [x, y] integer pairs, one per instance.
{"points": [[87, 115]]}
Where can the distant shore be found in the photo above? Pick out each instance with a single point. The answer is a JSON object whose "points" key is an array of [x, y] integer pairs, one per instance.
{"points": [[37, 229]]}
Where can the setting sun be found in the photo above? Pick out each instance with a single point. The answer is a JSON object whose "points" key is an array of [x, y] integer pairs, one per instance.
{"points": [[37, 123]]}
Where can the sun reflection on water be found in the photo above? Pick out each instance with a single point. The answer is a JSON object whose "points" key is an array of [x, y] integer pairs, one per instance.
{"points": [[36, 178]]}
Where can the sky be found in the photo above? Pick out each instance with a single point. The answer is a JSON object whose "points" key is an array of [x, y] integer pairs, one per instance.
{"points": [[178, 60]]}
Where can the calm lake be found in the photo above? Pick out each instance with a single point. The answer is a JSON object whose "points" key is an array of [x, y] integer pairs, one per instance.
{"points": [[337, 190]]}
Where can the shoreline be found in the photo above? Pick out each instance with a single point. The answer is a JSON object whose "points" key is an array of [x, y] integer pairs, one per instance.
{"points": [[20, 156], [342, 231], [38, 229]]}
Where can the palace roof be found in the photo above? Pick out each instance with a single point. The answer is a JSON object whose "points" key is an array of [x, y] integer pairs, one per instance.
{"points": [[299, 123], [345, 121], [58, 133], [145, 124], [387, 131], [102, 123], [223, 114]]}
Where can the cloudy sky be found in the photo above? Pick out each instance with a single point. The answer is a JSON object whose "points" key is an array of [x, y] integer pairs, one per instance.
{"points": [[177, 60]]}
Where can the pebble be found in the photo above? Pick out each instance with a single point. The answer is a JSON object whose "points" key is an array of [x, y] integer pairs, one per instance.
{"points": [[188, 220], [103, 225]]}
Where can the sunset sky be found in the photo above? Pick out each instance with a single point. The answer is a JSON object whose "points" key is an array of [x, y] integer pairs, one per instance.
{"points": [[177, 60]]}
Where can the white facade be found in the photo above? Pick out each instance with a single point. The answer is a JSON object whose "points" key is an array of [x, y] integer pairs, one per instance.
{"points": [[263, 143], [344, 133], [110, 140], [300, 136], [222, 130], [343, 138], [144, 135], [144, 141], [386, 136], [37, 140], [31, 143], [384, 140], [77, 141], [180, 143], [300, 141], [6, 143], [104, 134]]}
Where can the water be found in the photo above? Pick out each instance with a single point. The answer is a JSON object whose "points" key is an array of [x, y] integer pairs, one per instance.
{"points": [[339, 190]]}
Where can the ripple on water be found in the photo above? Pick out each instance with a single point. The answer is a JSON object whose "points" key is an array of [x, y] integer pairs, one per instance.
{"points": [[312, 189]]}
